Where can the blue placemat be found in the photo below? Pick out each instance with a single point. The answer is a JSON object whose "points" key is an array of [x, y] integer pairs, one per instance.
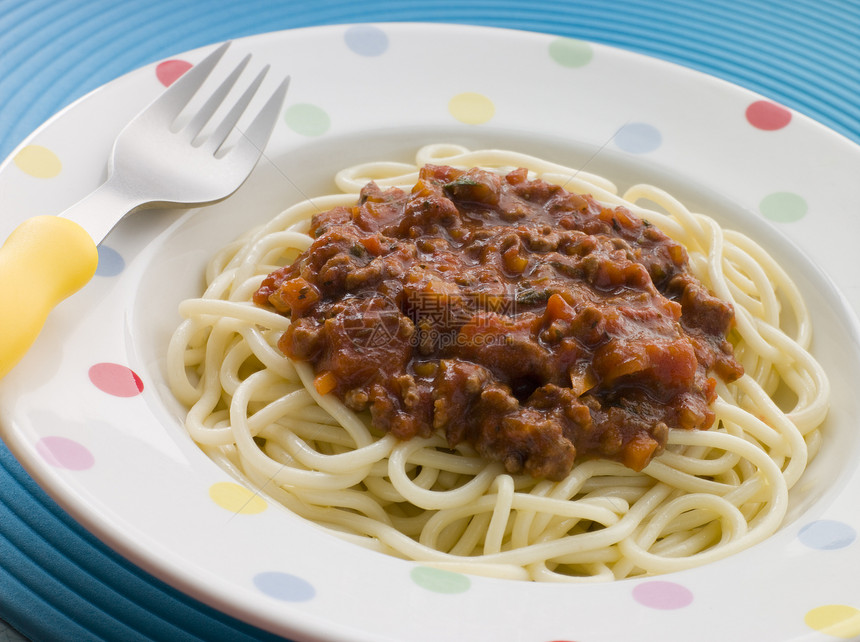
{"points": [[57, 581]]}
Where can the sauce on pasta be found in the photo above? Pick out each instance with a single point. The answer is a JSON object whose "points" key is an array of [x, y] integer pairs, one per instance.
{"points": [[535, 324], [267, 421]]}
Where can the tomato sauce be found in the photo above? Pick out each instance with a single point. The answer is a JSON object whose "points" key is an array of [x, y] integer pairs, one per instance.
{"points": [[537, 325]]}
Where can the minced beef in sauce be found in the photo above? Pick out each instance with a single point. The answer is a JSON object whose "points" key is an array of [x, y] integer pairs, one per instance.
{"points": [[537, 325]]}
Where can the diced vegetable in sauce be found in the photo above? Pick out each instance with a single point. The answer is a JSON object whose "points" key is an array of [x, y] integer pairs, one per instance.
{"points": [[537, 325]]}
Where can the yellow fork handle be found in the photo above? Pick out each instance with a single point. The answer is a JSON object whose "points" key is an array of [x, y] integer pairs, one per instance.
{"points": [[46, 259]]}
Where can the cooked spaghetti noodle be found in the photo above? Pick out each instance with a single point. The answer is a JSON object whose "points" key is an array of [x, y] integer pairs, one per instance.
{"points": [[710, 494]]}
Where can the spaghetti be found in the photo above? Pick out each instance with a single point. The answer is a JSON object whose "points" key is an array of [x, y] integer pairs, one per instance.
{"points": [[711, 492]]}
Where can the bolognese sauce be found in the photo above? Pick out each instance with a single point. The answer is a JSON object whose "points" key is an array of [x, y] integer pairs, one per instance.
{"points": [[537, 325]]}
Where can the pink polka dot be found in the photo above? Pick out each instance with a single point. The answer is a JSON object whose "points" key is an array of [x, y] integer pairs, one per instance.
{"points": [[116, 380], [763, 114], [662, 595], [62, 452], [168, 71]]}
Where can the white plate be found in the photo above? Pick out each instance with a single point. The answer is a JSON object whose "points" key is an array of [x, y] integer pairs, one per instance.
{"points": [[117, 458]]}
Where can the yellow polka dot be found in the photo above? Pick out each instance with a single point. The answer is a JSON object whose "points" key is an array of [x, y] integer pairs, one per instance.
{"points": [[38, 161], [471, 108], [236, 498], [838, 620]]}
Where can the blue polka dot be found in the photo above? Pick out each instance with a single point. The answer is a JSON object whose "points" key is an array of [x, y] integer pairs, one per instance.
{"points": [[283, 586], [827, 535], [110, 262], [366, 40], [638, 138]]}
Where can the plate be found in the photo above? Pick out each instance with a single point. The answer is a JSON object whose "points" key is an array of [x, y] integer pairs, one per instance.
{"points": [[88, 414]]}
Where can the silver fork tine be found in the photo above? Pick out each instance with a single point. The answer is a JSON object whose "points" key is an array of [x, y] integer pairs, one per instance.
{"points": [[217, 138], [210, 107], [257, 133], [181, 91]]}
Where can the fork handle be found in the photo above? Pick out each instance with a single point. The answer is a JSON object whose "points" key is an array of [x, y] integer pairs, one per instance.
{"points": [[46, 259]]}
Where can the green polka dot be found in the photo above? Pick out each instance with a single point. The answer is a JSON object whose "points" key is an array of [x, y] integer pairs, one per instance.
{"points": [[439, 581], [570, 53], [783, 207], [307, 119]]}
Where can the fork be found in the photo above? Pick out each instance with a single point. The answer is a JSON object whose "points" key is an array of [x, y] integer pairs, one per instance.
{"points": [[156, 161]]}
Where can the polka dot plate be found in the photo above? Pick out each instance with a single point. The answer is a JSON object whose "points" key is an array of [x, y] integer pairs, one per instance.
{"points": [[88, 414]]}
